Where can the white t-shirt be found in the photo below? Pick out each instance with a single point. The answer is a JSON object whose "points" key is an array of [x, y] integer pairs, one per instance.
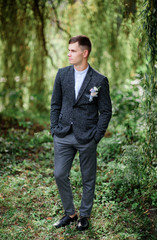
{"points": [[79, 78]]}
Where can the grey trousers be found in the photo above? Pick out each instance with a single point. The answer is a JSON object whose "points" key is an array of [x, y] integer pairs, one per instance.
{"points": [[65, 150]]}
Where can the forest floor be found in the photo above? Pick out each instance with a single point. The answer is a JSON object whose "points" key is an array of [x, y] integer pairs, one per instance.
{"points": [[29, 199]]}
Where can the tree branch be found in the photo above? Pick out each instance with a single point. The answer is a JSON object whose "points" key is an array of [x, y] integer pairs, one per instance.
{"points": [[57, 19]]}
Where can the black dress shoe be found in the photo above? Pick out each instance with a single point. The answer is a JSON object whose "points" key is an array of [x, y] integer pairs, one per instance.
{"points": [[83, 224], [66, 220]]}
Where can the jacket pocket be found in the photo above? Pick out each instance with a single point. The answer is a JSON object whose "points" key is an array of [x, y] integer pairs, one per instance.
{"points": [[91, 123], [92, 108]]}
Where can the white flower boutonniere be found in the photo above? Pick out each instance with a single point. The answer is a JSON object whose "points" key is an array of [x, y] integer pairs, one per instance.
{"points": [[93, 93]]}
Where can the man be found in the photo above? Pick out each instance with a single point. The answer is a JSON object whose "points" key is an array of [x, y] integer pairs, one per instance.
{"points": [[80, 114]]}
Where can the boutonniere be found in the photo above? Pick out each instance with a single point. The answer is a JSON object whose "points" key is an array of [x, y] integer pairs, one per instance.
{"points": [[93, 93]]}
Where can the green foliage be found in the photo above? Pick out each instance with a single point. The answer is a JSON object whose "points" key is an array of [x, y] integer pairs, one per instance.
{"points": [[34, 37], [149, 83], [126, 103], [110, 148], [128, 177], [114, 37], [30, 203], [42, 137], [23, 54]]}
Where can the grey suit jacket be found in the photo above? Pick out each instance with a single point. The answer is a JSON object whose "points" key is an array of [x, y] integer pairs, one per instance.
{"points": [[89, 119]]}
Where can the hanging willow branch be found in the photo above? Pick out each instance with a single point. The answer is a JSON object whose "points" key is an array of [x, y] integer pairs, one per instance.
{"points": [[150, 26], [57, 19], [39, 15]]}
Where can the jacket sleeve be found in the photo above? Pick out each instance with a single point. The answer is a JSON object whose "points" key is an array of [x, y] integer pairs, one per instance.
{"points": [[105, 110], [56, 102]]}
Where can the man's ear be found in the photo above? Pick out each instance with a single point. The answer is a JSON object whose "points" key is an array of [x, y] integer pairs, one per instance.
{"points": [[85, 53]]}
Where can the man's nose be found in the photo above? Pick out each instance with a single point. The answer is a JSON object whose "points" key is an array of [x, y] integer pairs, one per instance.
{"points": [[69, 54]]}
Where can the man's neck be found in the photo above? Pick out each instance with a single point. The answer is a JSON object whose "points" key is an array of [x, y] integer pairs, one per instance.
{"points": [[81, 67]]}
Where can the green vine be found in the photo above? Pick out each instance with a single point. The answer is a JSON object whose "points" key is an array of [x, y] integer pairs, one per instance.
{"points": [[150, 84]]}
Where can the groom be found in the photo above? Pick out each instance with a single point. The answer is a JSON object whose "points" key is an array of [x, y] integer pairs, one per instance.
{"points": [[80, 114]]}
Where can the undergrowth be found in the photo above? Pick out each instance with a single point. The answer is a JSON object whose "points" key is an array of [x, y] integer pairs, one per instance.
{"points": [[125, 197]]}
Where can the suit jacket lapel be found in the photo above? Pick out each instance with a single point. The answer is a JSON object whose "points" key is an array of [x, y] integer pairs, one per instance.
{"points": [[71, 83], [85, 83]]}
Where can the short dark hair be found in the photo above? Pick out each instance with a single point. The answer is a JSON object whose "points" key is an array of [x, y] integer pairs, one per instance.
{"points": [[82, 41]]}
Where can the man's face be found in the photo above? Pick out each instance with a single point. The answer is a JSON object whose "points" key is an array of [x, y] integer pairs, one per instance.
{"points": [[75, 54]]}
